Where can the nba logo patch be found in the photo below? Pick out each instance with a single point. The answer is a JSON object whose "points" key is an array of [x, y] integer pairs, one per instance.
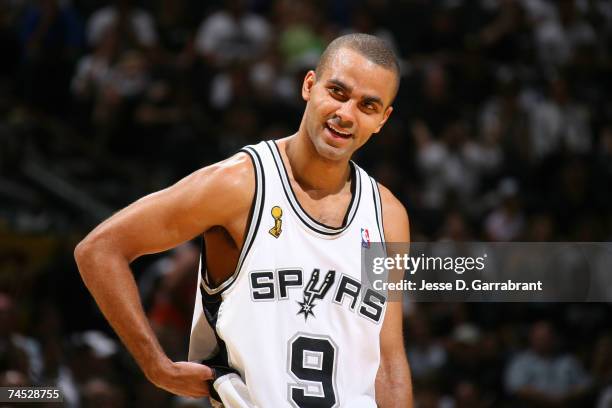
{"points": [[365, 238]]}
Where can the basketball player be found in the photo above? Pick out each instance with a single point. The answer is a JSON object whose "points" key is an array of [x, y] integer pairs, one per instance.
{"points": [[282, 317]]}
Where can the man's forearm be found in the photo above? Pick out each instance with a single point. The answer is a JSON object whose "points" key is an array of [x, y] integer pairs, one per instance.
{"points": [[110, 280], [394, 385]]}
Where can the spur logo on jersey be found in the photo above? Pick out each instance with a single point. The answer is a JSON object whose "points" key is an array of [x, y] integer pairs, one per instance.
{"points": [[277, 213], [365, 238], [288, 283], [311, 293]]}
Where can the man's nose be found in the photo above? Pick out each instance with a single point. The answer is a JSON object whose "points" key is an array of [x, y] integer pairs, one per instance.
{"points": [[345, 114]]}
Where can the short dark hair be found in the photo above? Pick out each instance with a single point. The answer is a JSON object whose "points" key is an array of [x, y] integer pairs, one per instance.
{"points": [[371, 47]]}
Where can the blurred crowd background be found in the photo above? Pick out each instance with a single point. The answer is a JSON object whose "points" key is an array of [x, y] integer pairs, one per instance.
{"points": [[502, 131]]}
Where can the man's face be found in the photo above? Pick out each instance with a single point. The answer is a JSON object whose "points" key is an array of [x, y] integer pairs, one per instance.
{"points": [[347, 104]]}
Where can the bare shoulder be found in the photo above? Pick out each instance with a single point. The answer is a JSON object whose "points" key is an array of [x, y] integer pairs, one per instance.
{"points": [[209, 195], [229, 183], [233, 173], [395, 217]]}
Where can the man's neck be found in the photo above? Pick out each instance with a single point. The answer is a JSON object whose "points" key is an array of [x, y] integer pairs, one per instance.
{"points": [[310, 170]]}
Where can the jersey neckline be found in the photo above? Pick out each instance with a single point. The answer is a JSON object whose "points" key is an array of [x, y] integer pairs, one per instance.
{"points": [[301, 213]]}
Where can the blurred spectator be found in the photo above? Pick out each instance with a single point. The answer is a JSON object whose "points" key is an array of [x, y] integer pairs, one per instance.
{"points": [[541, 376], [130, 77], [56, 372], [559, 123], [232, 35], [135, 26], [429, 396], [271, 82], [173, 300], [363, 20], [230, 88], [506, 37], [147, 395], [434, 105], [426, 356], [558, 36], [158, 109], [51, 37], [301, 36], [12, 378], [504, 122], [442, 36], [18, 352], [605, 401], [176, 25], [472, 357], [93, 70], [573, 191], [601, 364], [55, 368], [99, 393], [601, 369], [507, 221], [167, 288], [541, 228], [92, 356], [123, 88], [50, 29], [238, 124], [455, 228], [453, 165], [468, 395]]}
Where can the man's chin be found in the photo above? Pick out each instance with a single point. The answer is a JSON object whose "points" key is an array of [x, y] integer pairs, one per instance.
{"points": [[331, 152]]}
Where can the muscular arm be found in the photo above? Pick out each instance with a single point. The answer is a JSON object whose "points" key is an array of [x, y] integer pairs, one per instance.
{"points": [[393, 381], [211, 196]]}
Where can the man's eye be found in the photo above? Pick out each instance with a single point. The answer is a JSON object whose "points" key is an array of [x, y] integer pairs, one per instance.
{"points": [[369, 106], [335, 91]]}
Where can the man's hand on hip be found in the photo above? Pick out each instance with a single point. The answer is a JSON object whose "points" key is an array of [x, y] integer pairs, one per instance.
{"points": [[183, 378]]}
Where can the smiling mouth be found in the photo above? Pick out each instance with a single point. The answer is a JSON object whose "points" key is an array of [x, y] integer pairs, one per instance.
{"points": [[337, 132]]}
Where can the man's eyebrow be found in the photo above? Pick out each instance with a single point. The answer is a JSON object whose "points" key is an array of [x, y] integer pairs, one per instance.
{"points": [[373, 99], [349, 89], [340, 84]]}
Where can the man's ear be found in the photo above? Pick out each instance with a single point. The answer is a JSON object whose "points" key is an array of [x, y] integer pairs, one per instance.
{"points": [[309, 81], [385, 117]]}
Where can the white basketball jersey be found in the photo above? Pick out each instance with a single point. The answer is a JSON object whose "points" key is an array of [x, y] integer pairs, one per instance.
{"points": [[294, 326]]}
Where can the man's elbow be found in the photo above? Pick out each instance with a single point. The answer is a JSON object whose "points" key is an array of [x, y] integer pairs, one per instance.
{"points": [[81, 250], [84, 251], [89, 250]]}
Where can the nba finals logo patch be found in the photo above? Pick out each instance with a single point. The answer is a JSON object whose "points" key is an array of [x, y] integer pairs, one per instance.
{"points": [[277, 213], [365, 238]]}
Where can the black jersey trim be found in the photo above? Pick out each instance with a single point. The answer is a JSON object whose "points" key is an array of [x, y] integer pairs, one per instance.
{"points": [[306, 219], [219, 362], [378, 212], [253, 223]]}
